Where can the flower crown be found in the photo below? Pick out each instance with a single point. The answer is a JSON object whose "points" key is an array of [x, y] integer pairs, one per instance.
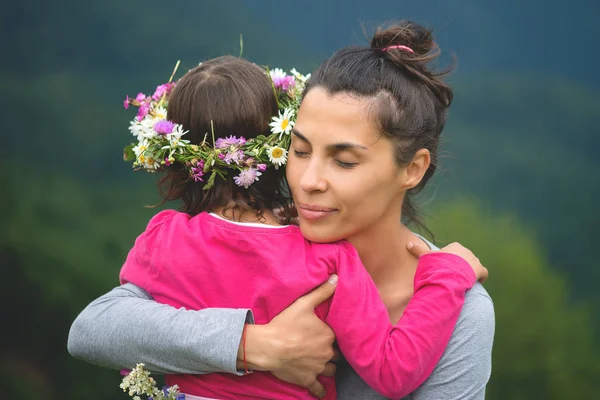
{"points": [[160, 143]]}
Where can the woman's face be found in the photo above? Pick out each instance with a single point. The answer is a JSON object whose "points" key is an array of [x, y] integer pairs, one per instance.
{"points": [[341, 170]]}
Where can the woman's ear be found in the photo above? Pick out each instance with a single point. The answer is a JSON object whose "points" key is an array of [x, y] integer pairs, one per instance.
{"points": [[414, 171]]}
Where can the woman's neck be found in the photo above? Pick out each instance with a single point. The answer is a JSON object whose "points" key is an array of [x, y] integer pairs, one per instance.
{"points": [[237, 214], [382, 250]]}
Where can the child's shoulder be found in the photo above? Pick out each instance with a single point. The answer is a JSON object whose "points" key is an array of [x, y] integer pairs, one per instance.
{"points": [[168, 217]]}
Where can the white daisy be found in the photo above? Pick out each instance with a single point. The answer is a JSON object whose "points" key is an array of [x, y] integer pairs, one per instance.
{"points": [[283, 124], [277, 74], [159, 113], [141, 147], [143, 129], [299, 76], [174, 137], [277, 156], [149, 161], [135, 127]]}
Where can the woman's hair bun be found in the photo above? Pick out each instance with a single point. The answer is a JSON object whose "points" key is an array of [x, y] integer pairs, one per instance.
{"points": [[411, 47], [404, 33]]}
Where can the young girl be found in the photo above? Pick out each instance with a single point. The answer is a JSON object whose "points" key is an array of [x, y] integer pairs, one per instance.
{"points": [[227, 249]]}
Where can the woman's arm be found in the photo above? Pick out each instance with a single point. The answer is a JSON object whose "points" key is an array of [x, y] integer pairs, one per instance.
{"points": [[125, 327], [465, 367]]}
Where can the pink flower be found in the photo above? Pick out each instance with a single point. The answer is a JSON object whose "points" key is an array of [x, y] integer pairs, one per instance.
{"points": [[164, 127], [247, 177], [223, 143], [281, 80], [162, 90], [126, 102], [287, 83], [140, 97], [234, 157], [262, 167], [167, 162], [143, 111], [198, 171]]}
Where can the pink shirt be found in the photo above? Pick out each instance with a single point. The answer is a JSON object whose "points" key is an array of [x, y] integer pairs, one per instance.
{"points": [[204, 261]]}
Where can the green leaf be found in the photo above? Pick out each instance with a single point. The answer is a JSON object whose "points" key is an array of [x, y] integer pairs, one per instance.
{"points": [[128, 154]]}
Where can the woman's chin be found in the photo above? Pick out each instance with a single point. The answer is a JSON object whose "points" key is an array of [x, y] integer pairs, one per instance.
{"points": [[319, 234]]}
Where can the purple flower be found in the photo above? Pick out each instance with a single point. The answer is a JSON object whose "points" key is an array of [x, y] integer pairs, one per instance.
{"points": [[143, 111], [126, 102], [221, 156], [198, 171], [181, 397], [283, 81], [234, 156], [247, 177], [167, 162], [223, 143], [140, 97], [125, 372], [161, 90], [287, 83], [262, 167], [164, 127]]}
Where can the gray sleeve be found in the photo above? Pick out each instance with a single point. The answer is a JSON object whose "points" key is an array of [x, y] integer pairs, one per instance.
{"points": [[465, 368], [126, 326]]}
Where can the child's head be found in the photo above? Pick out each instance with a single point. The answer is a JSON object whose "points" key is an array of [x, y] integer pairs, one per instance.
{"points": [[237, 97]]}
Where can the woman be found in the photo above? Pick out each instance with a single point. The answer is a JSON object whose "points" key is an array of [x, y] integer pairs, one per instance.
{"points": [[364, 142]]}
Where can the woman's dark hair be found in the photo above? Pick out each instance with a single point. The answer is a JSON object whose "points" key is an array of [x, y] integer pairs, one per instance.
{"points": [[411, 101], [237, 97]]}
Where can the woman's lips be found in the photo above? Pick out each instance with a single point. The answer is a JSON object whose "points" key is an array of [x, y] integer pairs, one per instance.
{"points": [[314, 212]]}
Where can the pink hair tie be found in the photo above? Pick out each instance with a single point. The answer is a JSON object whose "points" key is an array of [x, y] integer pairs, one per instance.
{"points": [[399, 47]]}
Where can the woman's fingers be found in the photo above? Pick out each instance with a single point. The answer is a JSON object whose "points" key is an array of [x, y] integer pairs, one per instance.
{"points": [[330, 369], [322, 293], [418, 249], [337, 354], [317, 389]]}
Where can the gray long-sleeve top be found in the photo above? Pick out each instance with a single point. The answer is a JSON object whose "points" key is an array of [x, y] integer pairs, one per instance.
{"points": [[125, 327]]}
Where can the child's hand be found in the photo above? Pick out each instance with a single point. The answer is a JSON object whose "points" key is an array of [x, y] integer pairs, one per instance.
{"points": [[419, 249]]}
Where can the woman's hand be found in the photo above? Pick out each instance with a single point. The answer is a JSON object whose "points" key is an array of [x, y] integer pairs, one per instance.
{"points": [[296, 346], [420, 249]]}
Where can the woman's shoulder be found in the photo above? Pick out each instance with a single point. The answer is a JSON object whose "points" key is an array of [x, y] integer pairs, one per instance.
{"points": [[478, 309]]}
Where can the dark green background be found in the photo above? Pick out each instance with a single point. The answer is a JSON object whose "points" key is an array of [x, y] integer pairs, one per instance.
{"points": [[519, 179]]}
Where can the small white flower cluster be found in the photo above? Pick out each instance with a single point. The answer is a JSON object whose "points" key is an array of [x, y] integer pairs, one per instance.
{"points": [[139, 382]]}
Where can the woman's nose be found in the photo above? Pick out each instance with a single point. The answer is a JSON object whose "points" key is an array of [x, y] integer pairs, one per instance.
{"points": [[312, 178]]}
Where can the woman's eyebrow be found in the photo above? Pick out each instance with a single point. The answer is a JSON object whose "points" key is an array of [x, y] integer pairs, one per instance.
{"points": [[300, 136], [346, 146], [334, 146]]}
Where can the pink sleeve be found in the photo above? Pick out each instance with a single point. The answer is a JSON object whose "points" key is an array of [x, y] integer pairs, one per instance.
{"points": [[138, 265], [395, 360]]}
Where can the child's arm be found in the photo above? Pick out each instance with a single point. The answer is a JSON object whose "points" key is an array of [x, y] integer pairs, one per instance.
{"points": [[395, 360]]}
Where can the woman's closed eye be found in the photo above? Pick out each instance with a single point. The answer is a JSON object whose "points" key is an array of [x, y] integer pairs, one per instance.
{"points": [[300, 154], [346, 165]]}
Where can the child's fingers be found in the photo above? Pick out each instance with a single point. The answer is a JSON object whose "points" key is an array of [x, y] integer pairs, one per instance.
{"points": [[418, 249]]}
